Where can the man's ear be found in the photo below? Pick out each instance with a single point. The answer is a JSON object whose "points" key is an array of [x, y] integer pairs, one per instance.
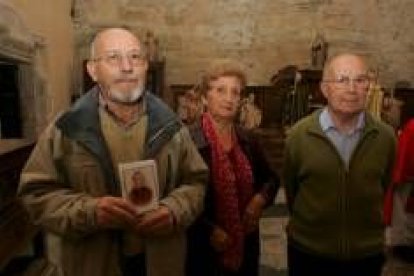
{"points": [[91, 68], [146, 65], [324, 88]]}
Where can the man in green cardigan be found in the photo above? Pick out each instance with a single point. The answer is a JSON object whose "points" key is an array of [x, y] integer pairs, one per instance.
{"points": [[337, 167]]}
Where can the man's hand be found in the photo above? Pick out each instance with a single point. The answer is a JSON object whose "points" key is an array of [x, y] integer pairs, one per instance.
{"points": [[115, 212], [253, 213], [156, 222]]}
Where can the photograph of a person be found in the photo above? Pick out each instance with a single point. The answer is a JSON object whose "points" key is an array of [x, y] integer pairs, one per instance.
{"points": [[139, 194], [140, 184]]}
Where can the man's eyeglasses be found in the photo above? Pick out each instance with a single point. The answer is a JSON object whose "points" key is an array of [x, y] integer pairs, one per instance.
{"points": [[343, 82], [135, 58]]}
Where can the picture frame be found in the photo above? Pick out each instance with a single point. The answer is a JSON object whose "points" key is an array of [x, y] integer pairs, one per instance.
{"points": [[139, 184]]}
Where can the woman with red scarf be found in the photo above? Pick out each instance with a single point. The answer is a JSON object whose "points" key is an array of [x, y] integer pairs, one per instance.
{"points": [[225, 238]]}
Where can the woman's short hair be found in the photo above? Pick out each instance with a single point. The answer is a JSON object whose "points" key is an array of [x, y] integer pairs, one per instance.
{"points": [[221, 68]]}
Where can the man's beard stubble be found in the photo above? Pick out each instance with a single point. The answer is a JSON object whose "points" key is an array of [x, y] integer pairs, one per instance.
{"points": [[120, 97]]}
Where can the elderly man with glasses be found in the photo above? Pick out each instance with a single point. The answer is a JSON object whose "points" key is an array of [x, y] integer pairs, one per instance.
{"points": [[337, 167], [71, 184]]}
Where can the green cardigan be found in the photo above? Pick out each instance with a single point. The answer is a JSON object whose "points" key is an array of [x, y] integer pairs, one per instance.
{"points": [[336, 211]]}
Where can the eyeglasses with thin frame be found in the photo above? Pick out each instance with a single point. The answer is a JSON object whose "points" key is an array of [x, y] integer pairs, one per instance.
{"points": [[114, 58], [343, 82]]}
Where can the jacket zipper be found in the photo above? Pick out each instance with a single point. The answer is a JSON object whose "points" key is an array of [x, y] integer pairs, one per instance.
{"points": [[160, 131]]}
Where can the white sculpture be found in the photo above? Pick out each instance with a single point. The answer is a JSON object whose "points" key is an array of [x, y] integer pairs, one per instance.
{"points": [[189, 106], [250, 114]]}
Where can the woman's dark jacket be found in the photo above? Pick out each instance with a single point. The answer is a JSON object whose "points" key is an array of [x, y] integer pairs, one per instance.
{"points": [[202, 259]]}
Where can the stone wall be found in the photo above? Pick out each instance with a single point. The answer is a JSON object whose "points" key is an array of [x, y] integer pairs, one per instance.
{"points": [[50, 20], [266, 35]]}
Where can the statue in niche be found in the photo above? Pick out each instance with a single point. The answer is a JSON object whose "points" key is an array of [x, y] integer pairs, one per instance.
{"points": [[319, 51], [250, 115], [190, 106], [375, 97], [181, 109], [152, 45], [391, 110]]}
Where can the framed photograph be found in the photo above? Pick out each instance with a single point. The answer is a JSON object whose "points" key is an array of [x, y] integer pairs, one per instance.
{"points": [[139, 184]]}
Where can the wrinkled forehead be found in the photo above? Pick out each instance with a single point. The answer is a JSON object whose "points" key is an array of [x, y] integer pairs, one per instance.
{"points": [[116, 40], [350, 66]]}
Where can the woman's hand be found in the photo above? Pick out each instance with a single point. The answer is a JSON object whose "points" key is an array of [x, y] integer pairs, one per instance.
{"points": [[253, 213], [219, 239]]}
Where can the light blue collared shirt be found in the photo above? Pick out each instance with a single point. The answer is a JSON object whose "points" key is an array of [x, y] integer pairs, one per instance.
{"points": [[345, 143]]}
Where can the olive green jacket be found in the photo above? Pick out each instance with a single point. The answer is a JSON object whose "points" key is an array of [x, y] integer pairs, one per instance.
{"points": [[71, 167], [336, 211]]}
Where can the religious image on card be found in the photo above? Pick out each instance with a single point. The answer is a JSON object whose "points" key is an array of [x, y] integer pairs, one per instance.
{"points": [[139, 184]]}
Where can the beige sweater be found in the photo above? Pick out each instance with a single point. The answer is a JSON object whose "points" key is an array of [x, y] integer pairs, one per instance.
{"points": [[119, 139]]}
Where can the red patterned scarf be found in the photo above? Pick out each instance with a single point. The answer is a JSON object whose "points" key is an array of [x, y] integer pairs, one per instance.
{"points": [[232, 182]]}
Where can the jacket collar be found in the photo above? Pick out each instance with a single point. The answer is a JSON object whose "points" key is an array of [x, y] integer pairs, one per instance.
{"points": [[163, 123], [81, 123]]}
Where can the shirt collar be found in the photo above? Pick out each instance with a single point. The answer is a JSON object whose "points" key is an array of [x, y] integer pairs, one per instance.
{"points": [[327, 123]]}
